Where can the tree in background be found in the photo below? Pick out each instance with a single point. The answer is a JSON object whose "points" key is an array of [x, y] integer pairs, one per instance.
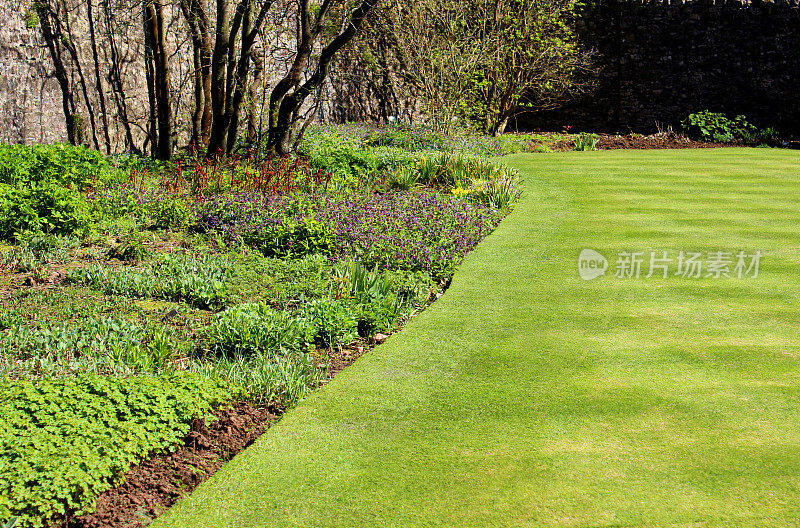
{"points": [[127, 64], [328, 21], [490, 60]]}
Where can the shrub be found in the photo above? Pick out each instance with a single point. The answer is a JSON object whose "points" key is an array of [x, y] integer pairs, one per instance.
{"points": [[45, 207], [68, 440], [717, 127], [61, 163]]}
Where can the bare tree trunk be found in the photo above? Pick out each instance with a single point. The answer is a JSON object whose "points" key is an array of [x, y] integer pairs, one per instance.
{"points": [[52, 36], [152, 128], [252, 127], [69, 44], [219, 63], [239, 78], [115, 77], [98, 83], [230, 72], [160, 98], [196, 15], [289, 95]]}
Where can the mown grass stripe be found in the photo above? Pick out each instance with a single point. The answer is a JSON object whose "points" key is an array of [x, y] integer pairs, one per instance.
{"points": [[528, 397]]}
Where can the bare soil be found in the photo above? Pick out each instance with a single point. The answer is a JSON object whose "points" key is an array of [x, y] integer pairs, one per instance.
{"points": [[157, 483], [638, 141]]}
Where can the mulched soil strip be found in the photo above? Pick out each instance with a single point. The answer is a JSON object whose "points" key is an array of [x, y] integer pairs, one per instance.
{"points": [[159, 482], [656, 141], [635, 141]]}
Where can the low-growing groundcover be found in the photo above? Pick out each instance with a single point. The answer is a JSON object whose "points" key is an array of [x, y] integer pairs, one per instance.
{"points": [[135, 297], [527, 396], [64, 441]]}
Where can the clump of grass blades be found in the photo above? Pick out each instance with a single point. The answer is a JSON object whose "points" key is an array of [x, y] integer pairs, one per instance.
{"points": [[585, 141], [264, 379], [200, 282]]}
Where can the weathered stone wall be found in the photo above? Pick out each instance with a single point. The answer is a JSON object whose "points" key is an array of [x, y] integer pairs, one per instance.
{"points": [[661, 60], [30, 99]]}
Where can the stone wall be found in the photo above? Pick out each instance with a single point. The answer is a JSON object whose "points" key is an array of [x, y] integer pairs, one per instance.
{"points": [[30, 99], [661, 60]]}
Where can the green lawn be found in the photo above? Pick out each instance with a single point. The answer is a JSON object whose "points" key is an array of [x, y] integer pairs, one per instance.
{"points": [[528, 397]]}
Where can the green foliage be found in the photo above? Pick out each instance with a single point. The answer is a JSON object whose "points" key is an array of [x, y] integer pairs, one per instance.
{"points": [[719, 128], [352, 159], [36, 251], [499, 191], [283, 381], [414, 287], [31, 17], [61, 163], [368, 294], [66, 441], [131, 249], [43, 207], [292, 238], [101, 345], [199, 281], [403, 178], [257, 329], [376, 314], [171, 212], [258, 279], [585, 141], [332, 323], [478, 179]]}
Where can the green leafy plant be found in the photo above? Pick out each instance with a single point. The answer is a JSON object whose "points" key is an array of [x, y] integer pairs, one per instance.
{"points": [[257, 329], [74, 166], [332, 323], [200, 282], [719, 128], [38, 251], [131, 249], [108, 424], [403, 178], [101, 345], [282, 381], [585, 141], [258, 279], [171, 212], [44, 207], [292, 238]]}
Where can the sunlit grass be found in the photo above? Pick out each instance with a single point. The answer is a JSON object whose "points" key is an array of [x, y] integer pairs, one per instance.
{"points": [[529, 397]]}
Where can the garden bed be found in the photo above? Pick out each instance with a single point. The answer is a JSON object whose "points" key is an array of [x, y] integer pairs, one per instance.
{"points": [[235, 287]]}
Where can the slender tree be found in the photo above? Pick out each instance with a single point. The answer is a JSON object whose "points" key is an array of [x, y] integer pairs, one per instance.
{"points": [[157, 65], [308, 72]]}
